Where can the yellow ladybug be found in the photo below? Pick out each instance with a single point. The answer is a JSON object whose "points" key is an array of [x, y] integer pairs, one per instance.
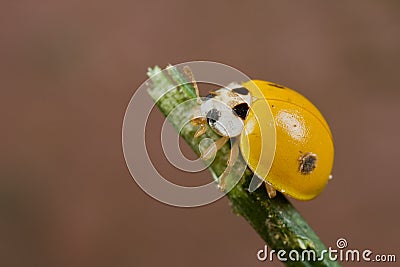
{"points": [[290, 148]]}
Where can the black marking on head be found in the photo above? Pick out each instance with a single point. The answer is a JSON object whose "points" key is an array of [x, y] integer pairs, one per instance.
{"points": [[209, 96], [241, 110], [308, 162], [212, 116], [277, 85], [241, 91]]}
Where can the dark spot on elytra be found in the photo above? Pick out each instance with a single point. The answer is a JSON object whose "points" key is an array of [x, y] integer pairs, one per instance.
{"points": [[241, 91], [277, 85], [308, 162], [212, 116], [241, 110]]}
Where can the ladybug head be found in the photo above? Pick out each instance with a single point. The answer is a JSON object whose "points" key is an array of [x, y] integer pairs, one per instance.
{"points": [[226, 109]]}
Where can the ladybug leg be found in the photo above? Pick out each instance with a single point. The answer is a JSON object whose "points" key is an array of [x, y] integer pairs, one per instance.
{"points": [[202, 129], [231, 161], [270, 190], [199, 121], [189, 73], [211, 150]]}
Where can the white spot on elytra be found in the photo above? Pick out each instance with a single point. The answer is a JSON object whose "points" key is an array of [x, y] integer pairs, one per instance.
{"points": [[294, 126]]}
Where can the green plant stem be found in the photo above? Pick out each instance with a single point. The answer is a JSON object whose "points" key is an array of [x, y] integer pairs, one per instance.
{"points": [[275, 220]]}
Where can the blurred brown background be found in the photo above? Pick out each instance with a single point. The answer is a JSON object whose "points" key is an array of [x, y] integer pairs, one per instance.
{"points": [[69, 68]]}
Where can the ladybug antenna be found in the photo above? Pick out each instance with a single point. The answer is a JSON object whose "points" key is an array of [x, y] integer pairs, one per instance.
{"points": [[189, 73]]}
